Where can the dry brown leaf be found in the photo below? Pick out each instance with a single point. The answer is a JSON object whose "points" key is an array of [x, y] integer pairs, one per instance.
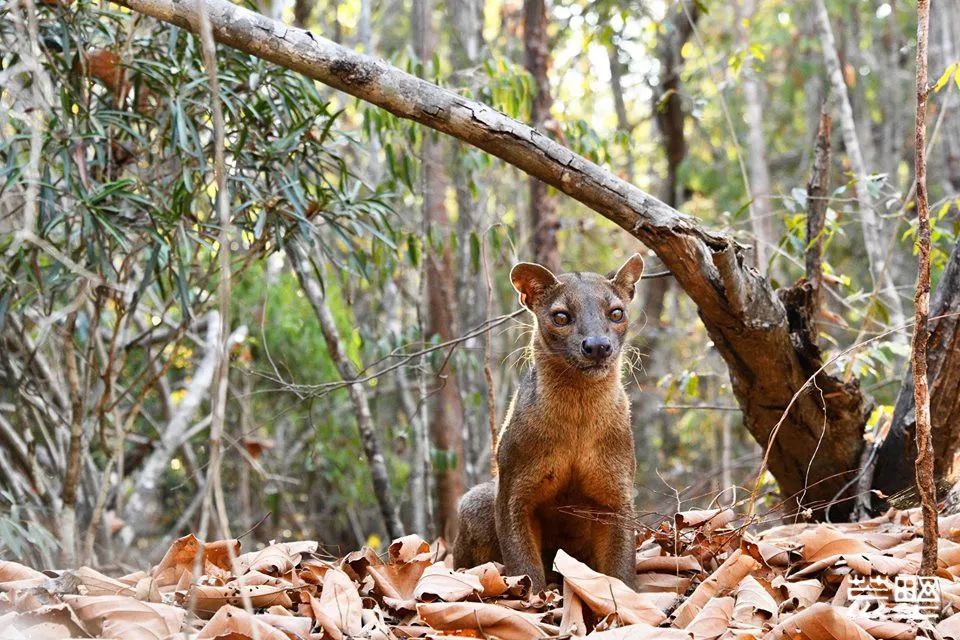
{"points": [[221, 552], [396, 582], [668, 564], [773, 555], [339, 604], [867, 564], [13, 571], [209, 598], [148, 590], [819, 622], [713, 620], [605, 595], [258, 577], [518, 586], [299, 548], [885, 629], [710, 519], [94, 583], [48, 622], [312, 570], [407, 548], [490, 579], [293, 626], [641, 632], [357, 563], [179, 560], [126, 617], [662, 582], [826, 542], [723, 580], [571, 621], [489, 619], [234, 623], [754, 605], [440, 583], [803, 592], [949, 628], [272, 560]]}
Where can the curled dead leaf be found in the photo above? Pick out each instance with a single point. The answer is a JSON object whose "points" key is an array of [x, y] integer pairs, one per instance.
{"points": [[605, 595], [407, 548], [440, 583], [723, 580], [713, 620], [488, 619], [819, 622], [126, 617], [234, 623]]}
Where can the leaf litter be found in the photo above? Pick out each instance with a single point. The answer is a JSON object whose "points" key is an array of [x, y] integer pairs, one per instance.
{"points": [[700, 576]]}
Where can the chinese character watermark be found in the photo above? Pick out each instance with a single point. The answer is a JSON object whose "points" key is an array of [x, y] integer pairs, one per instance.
{"points": [[915, 598]]}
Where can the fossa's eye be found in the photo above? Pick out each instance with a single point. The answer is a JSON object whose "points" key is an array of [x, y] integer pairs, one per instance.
{"points": [[561, 318], [616, 315]]}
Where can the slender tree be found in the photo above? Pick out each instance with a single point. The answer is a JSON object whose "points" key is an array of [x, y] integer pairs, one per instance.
{"points": [[310, 285], [921, 392], [446, 404], [873, 233], [543, 207], [761, 213]]}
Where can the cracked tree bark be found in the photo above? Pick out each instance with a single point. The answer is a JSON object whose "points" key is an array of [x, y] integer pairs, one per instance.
{"points": [[754, 331]]}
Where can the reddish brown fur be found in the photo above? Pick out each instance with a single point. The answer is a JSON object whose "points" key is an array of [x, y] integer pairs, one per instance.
{"points": [[566, 455]]}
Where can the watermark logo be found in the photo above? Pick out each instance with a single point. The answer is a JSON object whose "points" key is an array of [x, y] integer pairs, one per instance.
{"points": [[915, 598]]}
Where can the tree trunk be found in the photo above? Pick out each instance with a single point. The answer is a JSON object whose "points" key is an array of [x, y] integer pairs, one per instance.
{"points": [[818, 197], [897, 453], [466, 35], [921, 391], [874, 239], [71, 478], [358, 394], [751, 327], [445, 404], [543, 207], [302, 10], [668, 108], [617, 70], [669, 113]]}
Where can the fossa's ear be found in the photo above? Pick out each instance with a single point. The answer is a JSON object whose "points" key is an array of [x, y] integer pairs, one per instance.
{"points": [[532, 281], [626, 277]]}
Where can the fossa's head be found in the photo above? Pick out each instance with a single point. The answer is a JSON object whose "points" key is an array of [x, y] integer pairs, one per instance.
{"points": [[581, 318]]}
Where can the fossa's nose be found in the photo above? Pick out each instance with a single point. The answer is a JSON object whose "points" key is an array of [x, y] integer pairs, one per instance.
{"points": [[596, 347]]}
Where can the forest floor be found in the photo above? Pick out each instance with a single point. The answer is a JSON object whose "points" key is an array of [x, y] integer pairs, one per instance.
{"points": [[699, 576]]}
